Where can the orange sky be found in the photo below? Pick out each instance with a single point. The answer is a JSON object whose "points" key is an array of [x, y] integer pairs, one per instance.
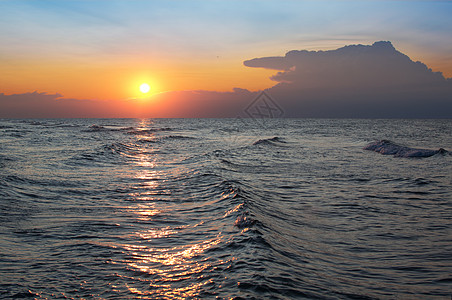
{"points": [[102, 50], [121, 80]]}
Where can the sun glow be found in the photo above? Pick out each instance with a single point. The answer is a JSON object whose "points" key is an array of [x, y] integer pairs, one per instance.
{"points": [[145, 88]]}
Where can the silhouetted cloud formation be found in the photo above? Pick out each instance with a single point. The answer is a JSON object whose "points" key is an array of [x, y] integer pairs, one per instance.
{"points": [[174, 104], [357, 81], [43, 105]]}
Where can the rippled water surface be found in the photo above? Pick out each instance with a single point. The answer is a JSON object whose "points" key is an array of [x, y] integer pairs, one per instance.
{"points": [[204, 208]]}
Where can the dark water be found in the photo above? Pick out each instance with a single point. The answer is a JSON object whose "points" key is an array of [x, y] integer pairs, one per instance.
{"points": [[188, 208]]}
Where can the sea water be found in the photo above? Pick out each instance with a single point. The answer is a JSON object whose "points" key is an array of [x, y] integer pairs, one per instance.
{"points": [[224, 208]]}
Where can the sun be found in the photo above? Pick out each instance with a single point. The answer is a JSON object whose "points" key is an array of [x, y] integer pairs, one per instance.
{"points": [[145, 88]]}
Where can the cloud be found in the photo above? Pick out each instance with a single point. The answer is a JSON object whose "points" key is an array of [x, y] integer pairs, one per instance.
{"points": [[44, 105], [174, 104], [357, 81]]}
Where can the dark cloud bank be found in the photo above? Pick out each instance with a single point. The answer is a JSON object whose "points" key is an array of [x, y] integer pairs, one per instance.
{"points": [[357, 81]]}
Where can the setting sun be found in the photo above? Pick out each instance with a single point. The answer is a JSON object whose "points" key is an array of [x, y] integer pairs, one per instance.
{"points": [[145, 88]]}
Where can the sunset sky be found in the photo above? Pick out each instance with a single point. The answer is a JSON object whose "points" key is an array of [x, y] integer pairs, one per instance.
{"points": [[104, 50]]}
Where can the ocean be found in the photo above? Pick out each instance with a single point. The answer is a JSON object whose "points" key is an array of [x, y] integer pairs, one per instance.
{"points": [[224, 208]]}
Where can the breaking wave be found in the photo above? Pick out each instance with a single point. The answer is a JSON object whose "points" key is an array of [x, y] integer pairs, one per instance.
{"points": [[386, 147]]}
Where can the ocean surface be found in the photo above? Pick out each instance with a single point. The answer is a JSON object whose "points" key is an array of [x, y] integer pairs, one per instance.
{"points": [[224, 208]]}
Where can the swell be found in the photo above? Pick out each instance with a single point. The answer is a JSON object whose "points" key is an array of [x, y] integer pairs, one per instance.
{"points": [[162, 139], [211, 193], [194, 226], [274, 141], [235, 221], [57, 123], [18, 199], [115, 153], [128, 130], [247, 242], [148, 131], [100, 128], [387, 147], [239, 193], [6, 160]]}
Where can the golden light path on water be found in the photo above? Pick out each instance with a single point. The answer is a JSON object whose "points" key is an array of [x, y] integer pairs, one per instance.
{"points": [[173, 210], [176, 272]]}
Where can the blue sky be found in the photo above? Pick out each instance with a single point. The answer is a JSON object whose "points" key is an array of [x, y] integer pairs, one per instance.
{"points": [[206, 26]]}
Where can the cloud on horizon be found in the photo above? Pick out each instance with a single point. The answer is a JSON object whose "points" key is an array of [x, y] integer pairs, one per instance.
{"points": [[173, 104], [44, 105], [357, 81]]}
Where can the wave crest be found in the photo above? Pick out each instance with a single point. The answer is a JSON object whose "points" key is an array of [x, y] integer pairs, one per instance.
{"points": [[98, 128], [387, 147], [244, 221], [270, 141], [148, 131]]}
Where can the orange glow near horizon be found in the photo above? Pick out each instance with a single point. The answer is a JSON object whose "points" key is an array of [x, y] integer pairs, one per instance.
{"points": [[94, 55], [121, 81], [114, 84]]}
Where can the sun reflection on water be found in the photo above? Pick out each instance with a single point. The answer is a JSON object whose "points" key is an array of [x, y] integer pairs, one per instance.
{"points": [[167, 269], [169, 259], [168, 291], [179, 255]]}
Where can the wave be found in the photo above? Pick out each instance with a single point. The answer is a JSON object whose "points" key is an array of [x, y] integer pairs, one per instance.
{"points": [[97, 128], [154, 139], [128, 130], [34, 123], [51, 123], [5, 159], [244, 221], [16, 132], [270, 141], [386, 147], [109, 154], [148, 131], [148, 140], [229, 194], [123, 149], [178, 137], [20, 292]]}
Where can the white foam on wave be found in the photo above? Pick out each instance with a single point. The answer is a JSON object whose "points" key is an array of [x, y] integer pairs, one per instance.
{"points": [[386, 147]]}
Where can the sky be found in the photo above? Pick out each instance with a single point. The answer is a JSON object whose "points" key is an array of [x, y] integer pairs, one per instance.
{"points": [[94, 55]]}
